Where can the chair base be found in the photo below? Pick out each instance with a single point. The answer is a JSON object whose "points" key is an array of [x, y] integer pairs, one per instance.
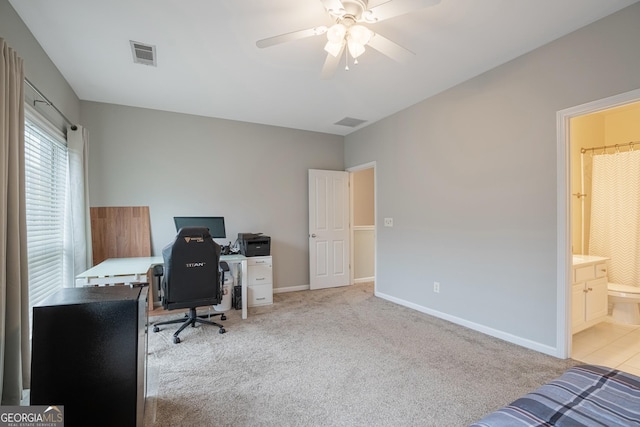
{"points": [[191, 318]]}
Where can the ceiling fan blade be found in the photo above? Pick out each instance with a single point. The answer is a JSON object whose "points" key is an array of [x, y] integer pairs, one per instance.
{"points": [[393, 8], [331, 64], [332, 6], [389, 48], [287, 37]]}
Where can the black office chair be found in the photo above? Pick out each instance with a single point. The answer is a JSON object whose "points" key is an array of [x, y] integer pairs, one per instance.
{"points": [[193, 277]]}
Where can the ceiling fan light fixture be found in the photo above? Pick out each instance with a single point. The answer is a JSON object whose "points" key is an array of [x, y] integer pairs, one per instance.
{"points": [[355, 49], [336, 33], [334, 48], [360, 34], [357, 38]]}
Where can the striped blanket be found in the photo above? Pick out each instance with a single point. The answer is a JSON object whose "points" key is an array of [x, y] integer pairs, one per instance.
{"points": [[585, 395]]}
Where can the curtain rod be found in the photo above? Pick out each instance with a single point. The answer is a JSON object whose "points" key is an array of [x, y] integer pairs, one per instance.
{"points": [[49, 103], [604, 147]]}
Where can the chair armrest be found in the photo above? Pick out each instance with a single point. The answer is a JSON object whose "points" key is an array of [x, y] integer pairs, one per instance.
{"points": [[224, 266], [158, 270]]}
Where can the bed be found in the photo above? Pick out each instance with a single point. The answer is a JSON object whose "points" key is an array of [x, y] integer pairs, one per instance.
{"points": [[585, 395]]}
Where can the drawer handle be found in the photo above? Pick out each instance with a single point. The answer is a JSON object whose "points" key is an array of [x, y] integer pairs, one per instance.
{"points": [[590, 289], [260, 278], [585, 291], [260, 299], [260, 262]]}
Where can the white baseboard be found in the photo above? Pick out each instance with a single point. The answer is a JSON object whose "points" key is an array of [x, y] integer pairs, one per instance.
{"points": [[523, 342], [307, 287], [291, 289]]}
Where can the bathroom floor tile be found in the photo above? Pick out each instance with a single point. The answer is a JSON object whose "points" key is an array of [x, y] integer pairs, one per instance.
{"points": [[634, 361], [606, 357], [584, 347], [631, 341], [630, 369], [609, 344]]}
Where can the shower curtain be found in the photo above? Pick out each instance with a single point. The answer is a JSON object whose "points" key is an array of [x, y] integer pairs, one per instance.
{"points": [[615, 214]]}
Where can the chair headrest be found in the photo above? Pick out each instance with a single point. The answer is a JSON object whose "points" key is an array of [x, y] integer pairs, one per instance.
{"points": [[202, 232]]}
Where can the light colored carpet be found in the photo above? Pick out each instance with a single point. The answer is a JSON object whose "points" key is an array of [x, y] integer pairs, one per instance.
{"points": [[335, 357]]}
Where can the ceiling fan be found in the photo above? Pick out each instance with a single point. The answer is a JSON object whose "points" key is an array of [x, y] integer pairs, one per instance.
{"points": [[350, 35]]}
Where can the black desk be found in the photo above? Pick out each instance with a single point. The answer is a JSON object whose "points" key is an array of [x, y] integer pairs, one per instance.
{"points": [[89, 351]]}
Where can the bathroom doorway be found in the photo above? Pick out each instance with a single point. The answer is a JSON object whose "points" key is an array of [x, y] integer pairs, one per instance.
{"points": [[606, 122]]}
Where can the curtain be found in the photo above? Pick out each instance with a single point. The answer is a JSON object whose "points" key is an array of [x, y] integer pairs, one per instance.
{"points": [[615, 214], [14, 285], [78, 228]]}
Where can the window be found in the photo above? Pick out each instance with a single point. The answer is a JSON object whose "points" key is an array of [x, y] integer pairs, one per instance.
{"points": [[45, 191]]}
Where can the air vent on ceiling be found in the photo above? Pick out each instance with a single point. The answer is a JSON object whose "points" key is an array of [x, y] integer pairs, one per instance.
{"points": [[143, 53], [350, 122]]}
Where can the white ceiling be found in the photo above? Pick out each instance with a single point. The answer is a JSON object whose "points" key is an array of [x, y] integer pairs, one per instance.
{"points": [[208, 63]]}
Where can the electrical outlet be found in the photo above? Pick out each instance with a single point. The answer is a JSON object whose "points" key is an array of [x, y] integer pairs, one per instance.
{"points": [[388, 222], [436, 287]]}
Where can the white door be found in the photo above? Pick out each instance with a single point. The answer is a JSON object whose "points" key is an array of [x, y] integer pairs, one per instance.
{"points": [[328, 228]]}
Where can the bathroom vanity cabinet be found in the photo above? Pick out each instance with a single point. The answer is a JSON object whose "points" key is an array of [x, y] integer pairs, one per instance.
{"points": [[589, 304]]}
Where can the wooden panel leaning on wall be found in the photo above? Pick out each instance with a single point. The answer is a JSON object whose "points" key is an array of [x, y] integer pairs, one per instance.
{"points": [[120, 232]]}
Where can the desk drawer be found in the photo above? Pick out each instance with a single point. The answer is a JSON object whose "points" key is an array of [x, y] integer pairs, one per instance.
{"points": [[260, 274], [259, 295], [258, 260]]}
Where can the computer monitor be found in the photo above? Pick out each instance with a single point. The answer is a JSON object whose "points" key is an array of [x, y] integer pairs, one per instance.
{"points": [[215, 224]]}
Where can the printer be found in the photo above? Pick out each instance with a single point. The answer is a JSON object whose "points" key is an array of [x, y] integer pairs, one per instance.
{"points": [[254, 244]]}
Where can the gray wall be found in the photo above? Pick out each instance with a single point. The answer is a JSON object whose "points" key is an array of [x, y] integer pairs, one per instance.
{"points": [[39, 69], [469, 177], [253, 175]]}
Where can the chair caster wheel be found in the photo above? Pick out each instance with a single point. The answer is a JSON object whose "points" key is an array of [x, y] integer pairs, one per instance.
{"points": [[176, 340], [156, 329], [223, 317], [221, 331]]}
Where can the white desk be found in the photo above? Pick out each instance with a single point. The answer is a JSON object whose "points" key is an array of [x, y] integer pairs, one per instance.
{"points": [[119, 270], [136, 270]]}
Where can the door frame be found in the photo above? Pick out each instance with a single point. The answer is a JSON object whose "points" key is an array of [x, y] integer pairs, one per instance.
{"points": [[563, 234], [351, 170]]}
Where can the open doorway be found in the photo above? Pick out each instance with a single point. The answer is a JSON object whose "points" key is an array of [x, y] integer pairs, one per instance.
{"points": [[363, 227], [601, 208], [571, 225]]}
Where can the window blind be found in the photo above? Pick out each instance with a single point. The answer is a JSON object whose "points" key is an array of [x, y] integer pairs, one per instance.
{"points": [[45, 193]]}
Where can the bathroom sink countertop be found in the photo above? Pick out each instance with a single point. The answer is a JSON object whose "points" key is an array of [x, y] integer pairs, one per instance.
{"points": [[587, 259]]}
